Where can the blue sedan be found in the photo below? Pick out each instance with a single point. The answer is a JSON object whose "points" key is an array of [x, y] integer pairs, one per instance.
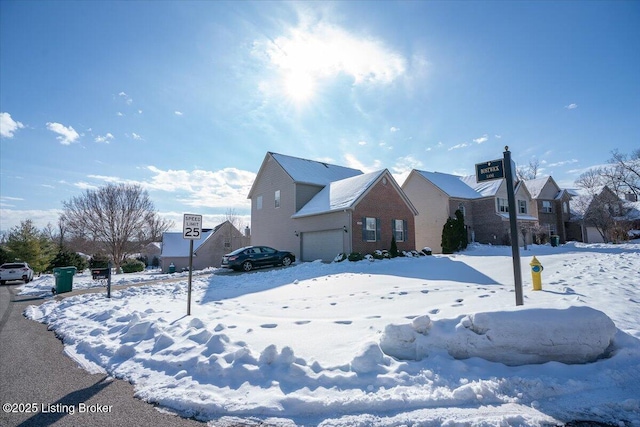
{"points": [[249, 257]]}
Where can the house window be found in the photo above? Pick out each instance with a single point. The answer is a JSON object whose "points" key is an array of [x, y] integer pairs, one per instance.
{"points": [[503, 205], [277, 199], [259, 203], [371, 229], [566, 207], [522, 206], [227, 242], [462, 210], [399, 229], [546, 206]]}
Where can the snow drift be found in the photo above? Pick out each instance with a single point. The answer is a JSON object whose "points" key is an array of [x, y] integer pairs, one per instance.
{"points": [[515, 337]]}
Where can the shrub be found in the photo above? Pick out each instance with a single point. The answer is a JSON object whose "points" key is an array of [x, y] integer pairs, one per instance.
{"points": [[68, 259], [132, 266], [355, 256], [340, 257], [393, 250], [454, 234], [99, 260]]}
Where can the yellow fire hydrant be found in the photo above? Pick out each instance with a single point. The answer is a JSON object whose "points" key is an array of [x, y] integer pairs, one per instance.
{"points": [[536, 270]]}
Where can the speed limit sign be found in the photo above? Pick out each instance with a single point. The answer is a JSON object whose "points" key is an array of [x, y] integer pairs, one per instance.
{"points": [[192, 227]]}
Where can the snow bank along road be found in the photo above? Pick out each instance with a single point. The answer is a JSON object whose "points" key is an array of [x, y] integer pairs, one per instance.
{"points": [[41, 386]]}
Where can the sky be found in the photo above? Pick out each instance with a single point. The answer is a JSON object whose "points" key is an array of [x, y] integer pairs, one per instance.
{"points": [[186, 98]]}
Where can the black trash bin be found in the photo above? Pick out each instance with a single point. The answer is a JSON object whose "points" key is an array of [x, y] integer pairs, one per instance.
{"points": [[555, 241], [64, 279]]}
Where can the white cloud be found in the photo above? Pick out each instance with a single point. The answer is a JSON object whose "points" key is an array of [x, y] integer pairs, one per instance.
{"points": [[352, 161], [66, 135], [10, 218], [362, 142], [104, 139], [457, 146], [85, 186], [317, 50], [8, 126], [394, 129], [404, 165], [126, 98], [136, 137], [562, 163], [119, 114], [178, 113], [483, 138], [223, 188], [571, 106]]}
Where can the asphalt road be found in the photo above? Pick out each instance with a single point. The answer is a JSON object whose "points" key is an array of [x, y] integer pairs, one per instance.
{"points": [[41, 386]]}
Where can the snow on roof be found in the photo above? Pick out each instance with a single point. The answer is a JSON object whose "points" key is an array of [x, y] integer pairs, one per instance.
{"points": [[174, 245], [313, 172], [452, 185], [339, 195], [486, 188], [535, 186]]}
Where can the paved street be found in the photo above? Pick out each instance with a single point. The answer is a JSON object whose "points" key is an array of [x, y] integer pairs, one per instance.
{"points": [[41, 386]]}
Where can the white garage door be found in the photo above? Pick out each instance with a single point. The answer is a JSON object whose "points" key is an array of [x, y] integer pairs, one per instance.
{"points": [[324, 245]]}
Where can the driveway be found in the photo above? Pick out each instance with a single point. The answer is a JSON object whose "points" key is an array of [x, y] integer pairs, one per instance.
{"points": [[41, 386]]}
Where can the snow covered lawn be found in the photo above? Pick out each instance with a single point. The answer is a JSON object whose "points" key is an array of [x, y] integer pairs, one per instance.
{"points": [[410, 341]]}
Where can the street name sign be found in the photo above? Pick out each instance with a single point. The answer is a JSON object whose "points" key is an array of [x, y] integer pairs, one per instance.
{"points": [[192, 227], [488, 171]]}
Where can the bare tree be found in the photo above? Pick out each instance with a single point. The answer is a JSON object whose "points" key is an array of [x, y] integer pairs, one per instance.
{"points": [[591, 181], [530, 171], [232, 216], [624, 174], [115, 216]]}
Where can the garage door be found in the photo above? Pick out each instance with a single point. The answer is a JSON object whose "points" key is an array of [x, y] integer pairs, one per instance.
{"points": [[324, 245]]}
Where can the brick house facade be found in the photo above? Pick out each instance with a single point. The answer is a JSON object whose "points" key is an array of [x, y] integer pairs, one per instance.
{"points": [[384, 203]]}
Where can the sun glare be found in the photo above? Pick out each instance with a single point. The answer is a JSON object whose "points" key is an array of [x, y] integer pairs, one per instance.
{"points": [[299, 87]]}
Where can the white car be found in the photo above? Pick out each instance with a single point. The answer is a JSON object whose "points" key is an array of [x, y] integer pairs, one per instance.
{"points": [[15, 271]]}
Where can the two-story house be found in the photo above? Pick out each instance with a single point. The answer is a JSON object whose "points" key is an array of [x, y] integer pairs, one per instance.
{"points": [[606, 217], [552, 206], [317, 210], [484, 205]]}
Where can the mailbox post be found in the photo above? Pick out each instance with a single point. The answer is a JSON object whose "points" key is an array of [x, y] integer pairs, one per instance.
{"points": [[102, 274]]}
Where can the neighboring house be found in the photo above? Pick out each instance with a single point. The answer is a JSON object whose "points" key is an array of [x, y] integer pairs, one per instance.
{"points": [[152, 251], [207, 251], [607, 217], [484, 205], [552, 206], [317, 210]]}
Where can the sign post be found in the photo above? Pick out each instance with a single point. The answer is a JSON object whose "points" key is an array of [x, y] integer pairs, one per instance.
{"points": [[499, 169], [191, 230]]}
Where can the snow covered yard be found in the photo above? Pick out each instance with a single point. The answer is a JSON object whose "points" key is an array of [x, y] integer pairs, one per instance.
{"points": [[410, 341]]}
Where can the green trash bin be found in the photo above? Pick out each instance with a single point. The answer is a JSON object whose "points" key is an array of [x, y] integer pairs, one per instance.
{"points": [[555, 241], [64, 279]]}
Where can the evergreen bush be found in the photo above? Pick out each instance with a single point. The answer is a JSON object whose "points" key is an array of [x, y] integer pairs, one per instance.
{"points": [[68, 259], [393, 250], [355, 256], [99, 260], [132, 266], [454, 234]]}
